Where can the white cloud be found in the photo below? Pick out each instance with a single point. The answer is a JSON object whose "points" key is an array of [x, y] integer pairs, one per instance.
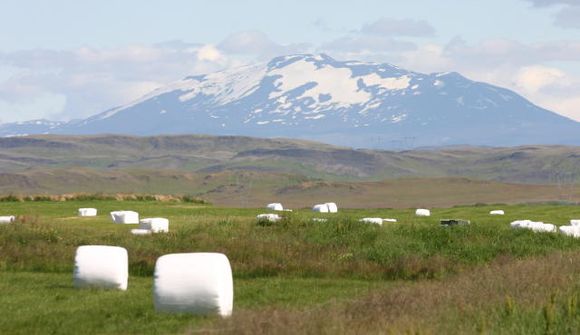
{"points": [[524, 68], [93, 80], [532, 79], [42, 106], [209, 53]]}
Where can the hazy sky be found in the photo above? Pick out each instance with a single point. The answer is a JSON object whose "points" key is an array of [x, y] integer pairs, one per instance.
{"points": [[65, 59]]}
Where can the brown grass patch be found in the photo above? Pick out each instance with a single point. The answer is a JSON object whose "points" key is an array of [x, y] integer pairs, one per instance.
{"points": [[426, 307]]}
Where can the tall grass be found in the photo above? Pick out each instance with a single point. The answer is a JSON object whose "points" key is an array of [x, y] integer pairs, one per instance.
{"points": [[342, 247], [301, 276]]}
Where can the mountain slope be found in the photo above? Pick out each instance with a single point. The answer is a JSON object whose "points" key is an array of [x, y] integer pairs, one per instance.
{"points": [[346, 103]]}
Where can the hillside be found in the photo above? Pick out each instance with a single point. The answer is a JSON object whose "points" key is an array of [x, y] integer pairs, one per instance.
{"points": [[243, 171], [209, 154]]}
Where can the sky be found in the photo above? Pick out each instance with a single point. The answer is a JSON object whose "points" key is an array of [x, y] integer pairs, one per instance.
{"points": [[65, 59]]}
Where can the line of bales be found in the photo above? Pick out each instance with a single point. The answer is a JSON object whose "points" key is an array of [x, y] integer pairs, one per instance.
{"points": [[201, 283]]}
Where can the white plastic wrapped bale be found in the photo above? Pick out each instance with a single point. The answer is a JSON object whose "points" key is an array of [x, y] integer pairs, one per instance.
{"points": [[534, 226], [320, 208], [573, 231], [7, 219], [268, 217], [155, 225], [422, 212], [125, 217], [378, 221], [197, 283], [497, 212], [101, 266], [275, 206], [332, 207], [389, 220], [575, 223], [141, 232], [520, 223], [87, 212]]}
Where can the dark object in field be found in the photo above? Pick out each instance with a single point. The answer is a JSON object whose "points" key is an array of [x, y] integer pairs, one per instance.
{"points": [[454, 222]]}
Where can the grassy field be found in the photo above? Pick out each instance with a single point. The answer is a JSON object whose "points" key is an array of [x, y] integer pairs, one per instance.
{"points": [[300, 276]]}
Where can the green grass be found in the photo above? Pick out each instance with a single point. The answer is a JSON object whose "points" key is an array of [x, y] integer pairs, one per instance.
{"points": [[44, 303], [290, 266]]}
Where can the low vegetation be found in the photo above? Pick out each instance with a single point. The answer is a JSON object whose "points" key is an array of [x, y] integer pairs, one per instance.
{"points": [[103, 196], [301, 276]]}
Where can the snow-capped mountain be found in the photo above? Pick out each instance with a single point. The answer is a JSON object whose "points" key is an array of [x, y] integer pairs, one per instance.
{"points": [[348, 103]]}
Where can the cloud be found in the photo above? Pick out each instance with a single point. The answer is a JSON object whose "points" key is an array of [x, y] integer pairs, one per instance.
{"points": [[569, 14], [209, 53], [398, 27], [367, 43], [85, 81], [257, 43], [532, 79], [569, 18], [42, 106], [526, 68], [378, 40], [546, 3]]}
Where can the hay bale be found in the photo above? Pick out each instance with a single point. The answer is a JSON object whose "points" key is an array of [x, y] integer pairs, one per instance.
{"points": [[540, 227], [572, 231], [332, 207], [125, 217], [155, 225], [422, 212], [575, 223], [7, 219], [454, 222], [268, 217], [275, 206], [497, 212], [320, 208], [390, 220], [378, 221], [101, 266], [197, 283], [141, 232], [520, 224], [87, 212]]}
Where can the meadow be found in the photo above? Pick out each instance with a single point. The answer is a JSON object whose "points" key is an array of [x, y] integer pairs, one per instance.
{"points": [[300, 276]]}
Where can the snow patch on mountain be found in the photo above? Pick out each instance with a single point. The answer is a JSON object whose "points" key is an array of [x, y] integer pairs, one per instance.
{"points": [[337, 83], [225, 86], [389, 83]]}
